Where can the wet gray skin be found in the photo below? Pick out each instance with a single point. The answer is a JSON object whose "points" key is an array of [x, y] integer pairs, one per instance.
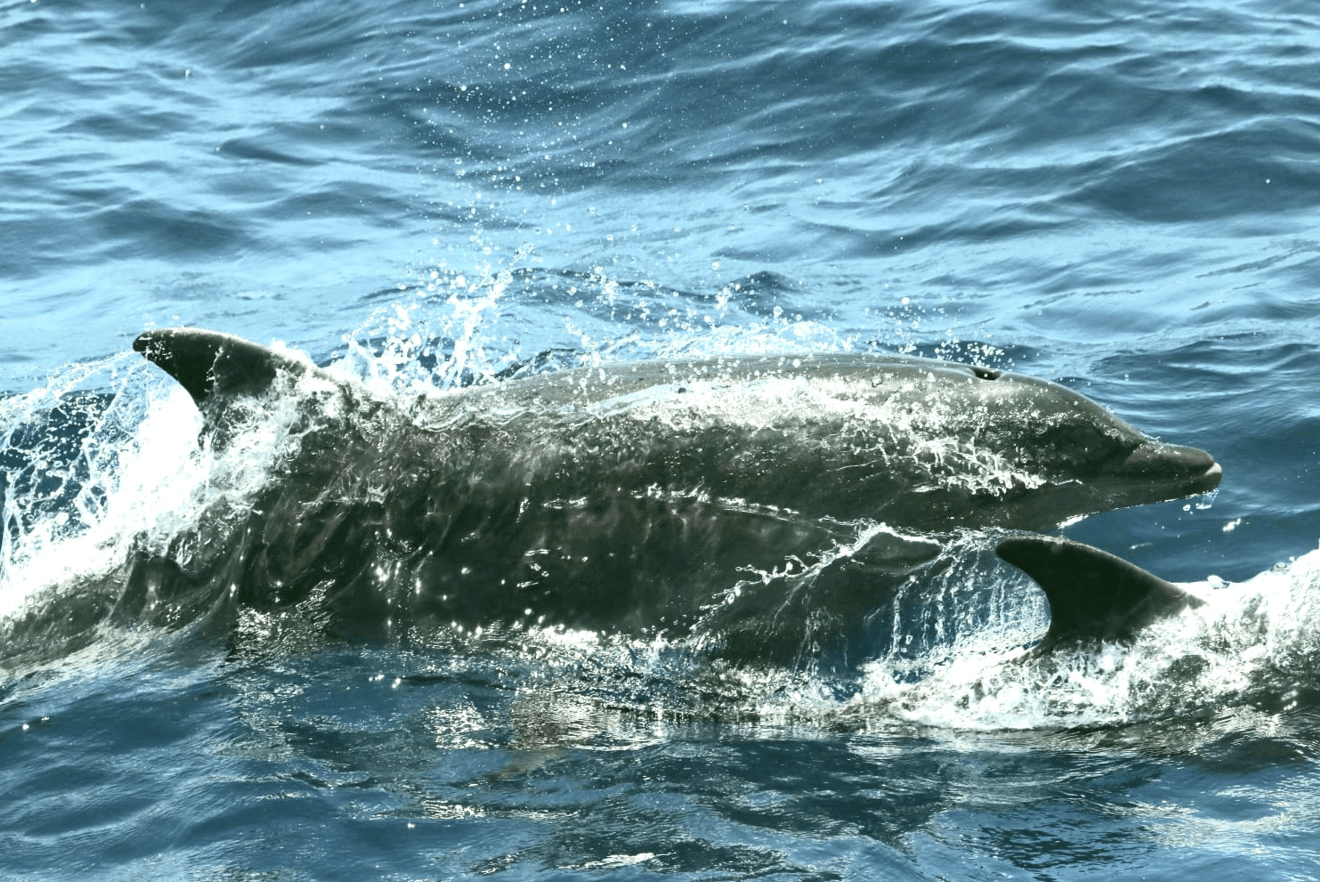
{"points": [[701, 500]]}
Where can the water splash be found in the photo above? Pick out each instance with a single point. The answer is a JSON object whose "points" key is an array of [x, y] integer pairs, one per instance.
{"points": [[134, 477], [92, 459], [1253, 644]]}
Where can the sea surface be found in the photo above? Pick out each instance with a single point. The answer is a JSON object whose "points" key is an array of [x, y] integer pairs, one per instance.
{"points": [[1120, 197]]}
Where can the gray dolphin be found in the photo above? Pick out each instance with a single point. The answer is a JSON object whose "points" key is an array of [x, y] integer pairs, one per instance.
{"points": [[1093, 595], [688, 498]]}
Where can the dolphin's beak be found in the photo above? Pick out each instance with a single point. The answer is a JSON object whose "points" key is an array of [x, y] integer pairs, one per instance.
{"points": [[1183, 470]]}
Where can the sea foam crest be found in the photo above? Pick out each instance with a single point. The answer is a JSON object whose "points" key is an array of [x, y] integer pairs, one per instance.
{"points": [[136, 475], [117, 463]]}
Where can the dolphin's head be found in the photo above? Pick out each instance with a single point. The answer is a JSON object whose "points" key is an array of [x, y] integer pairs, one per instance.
{"points": [[1089, 459], [1171, 471]]}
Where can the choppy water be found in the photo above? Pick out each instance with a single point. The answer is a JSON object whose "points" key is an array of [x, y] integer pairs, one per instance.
{"points": [[428, 194]]}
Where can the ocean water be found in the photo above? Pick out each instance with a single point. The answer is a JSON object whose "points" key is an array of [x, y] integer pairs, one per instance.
{"points": [[426, 196]]}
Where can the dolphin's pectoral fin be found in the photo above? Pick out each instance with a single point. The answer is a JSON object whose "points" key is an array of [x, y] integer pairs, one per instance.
{"points": [[207, 363], [1092, 593]]}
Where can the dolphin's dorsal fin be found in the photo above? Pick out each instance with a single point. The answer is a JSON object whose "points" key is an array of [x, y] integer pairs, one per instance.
{"points": [[1092, 593], [208, 362]]}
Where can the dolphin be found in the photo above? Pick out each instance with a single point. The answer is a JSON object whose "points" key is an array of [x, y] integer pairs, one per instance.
{"points": [[1093, 595], [700, 498], [1262, 628]]}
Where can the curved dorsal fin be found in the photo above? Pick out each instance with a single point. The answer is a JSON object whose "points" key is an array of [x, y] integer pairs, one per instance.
{"points": [[208, 362], [1092, 593]]}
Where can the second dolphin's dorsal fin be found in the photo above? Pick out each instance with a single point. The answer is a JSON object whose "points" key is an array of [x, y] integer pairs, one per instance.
{"points": [[208, 362], [1092, 593]]}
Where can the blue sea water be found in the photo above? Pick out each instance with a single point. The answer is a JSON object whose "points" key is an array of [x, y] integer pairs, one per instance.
{"points": [[1123, 199]]}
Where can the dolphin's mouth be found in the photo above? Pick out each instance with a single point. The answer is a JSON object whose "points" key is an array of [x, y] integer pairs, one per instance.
{"points": [[1172, 469]]}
